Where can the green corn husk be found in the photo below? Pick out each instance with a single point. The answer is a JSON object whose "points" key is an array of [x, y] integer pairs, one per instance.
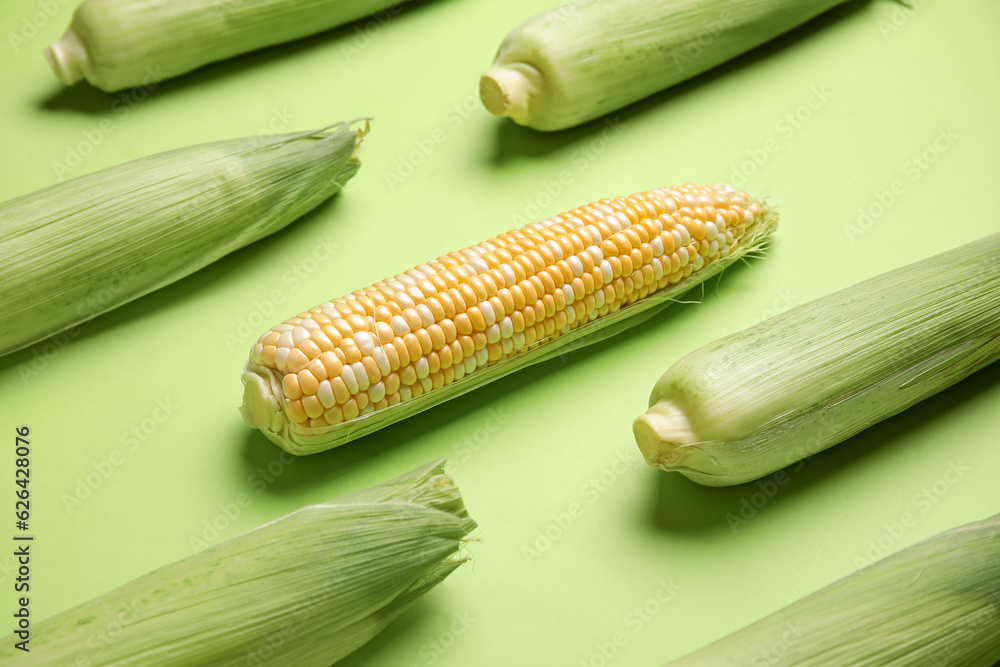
{"points": [[302, 591], [85, 246], [758, 400], [116, 44], [934, 603], [583, 60]]}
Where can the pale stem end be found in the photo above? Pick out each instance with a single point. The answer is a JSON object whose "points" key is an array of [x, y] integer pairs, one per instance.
{"points": [[260, 409], [502, 90], [68, 58], [662, 434]]}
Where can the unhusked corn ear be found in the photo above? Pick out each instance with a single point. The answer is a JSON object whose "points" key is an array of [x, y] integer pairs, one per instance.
{"points": [[582, 60], [116, 44], [84, 246], [357, 363], [763, 398], [304, 590], [934, 603]]}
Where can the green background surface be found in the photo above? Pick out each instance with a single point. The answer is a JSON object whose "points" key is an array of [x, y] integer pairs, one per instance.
{"points": [[833, 113]]}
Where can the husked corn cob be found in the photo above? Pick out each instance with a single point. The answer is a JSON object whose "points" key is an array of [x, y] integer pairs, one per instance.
{"points": [[360, 362]]}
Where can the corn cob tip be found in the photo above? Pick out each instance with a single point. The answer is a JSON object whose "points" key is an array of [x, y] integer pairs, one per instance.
{"points": [[666, 439], [503, 92], [68, 57]]}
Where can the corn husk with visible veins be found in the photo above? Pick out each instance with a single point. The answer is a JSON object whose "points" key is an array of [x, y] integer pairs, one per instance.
{"points": [[934, 603], [85, 246], [585, 59], [758, 400], [116, 44], [302, 591]]}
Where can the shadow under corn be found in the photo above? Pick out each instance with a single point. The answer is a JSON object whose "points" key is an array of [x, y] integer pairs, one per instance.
{"points": [[426, 619], [86, 99], [682, 506], [515, 141], [324, 467]]}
